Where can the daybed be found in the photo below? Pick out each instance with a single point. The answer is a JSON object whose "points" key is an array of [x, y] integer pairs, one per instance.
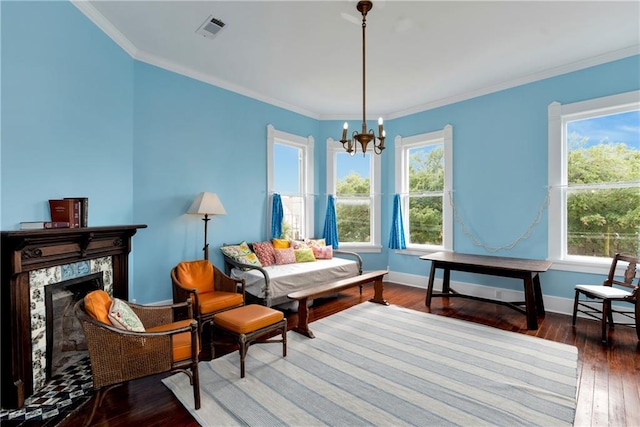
{"points": [[272, 270]]}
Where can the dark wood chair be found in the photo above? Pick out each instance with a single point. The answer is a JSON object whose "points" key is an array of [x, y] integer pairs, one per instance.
{"points": [[209, 289], [119, 355], [597, 300]]}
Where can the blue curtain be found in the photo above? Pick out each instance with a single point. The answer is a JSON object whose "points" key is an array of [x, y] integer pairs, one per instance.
{"points": [[396, 236], [330, 232], [276, 216]]}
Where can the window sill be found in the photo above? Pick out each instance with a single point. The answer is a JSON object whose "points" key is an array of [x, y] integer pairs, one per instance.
{"points": [[361, 248], [590, 265]]}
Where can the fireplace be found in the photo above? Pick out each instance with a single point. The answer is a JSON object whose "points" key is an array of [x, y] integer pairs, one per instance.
{"points": [[66, 344], [34, 260]]}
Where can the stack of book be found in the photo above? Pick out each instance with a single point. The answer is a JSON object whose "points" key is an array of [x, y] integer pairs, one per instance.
{"points": [[69, 212]]}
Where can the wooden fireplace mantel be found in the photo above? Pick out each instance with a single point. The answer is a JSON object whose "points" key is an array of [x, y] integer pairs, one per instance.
{"points": [[27, 250]]}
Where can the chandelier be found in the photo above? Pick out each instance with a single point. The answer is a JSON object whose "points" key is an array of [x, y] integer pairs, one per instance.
{"points": [[364, 138]]}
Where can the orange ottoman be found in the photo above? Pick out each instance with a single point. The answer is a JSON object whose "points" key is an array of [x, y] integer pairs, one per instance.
{"points": [[249, 325]]}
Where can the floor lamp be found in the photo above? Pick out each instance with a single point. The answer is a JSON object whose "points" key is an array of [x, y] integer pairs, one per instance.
{"points": [[206, 204]]}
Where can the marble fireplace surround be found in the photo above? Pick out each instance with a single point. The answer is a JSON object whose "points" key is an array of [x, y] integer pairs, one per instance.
{"points": [[33, 259]]}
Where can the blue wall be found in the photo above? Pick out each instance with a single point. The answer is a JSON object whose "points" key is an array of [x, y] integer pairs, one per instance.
{"points": [[81, 118], [67, 114], [193, 137]]}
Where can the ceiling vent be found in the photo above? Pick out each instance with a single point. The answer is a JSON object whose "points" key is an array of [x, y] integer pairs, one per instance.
{"points": [[211, 27]]}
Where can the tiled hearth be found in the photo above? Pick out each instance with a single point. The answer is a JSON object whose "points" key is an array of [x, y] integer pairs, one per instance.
{"points": [[55, 401]]}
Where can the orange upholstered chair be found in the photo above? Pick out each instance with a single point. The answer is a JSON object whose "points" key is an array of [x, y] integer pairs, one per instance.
{"points": [[210, 290], [128, 341]]}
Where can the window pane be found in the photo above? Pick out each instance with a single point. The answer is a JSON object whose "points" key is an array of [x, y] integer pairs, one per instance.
{"points": [[425, 220], [287, 177], [426, 168], [603, 154], [293, 220], [354, 220], [353, 175], [602, 222]]}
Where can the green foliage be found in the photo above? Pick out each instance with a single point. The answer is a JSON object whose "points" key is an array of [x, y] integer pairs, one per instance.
{"points": [[352, 208], [604, 219]]}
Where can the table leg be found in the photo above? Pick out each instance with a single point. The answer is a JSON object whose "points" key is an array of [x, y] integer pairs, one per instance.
{"points": [[378, 289], [538, 292], [446, 281], [432, 276], [303, 319], [530, 302]]}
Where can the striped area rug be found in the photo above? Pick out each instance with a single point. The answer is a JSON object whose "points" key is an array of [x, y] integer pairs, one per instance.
{"points": [[390, 366]]}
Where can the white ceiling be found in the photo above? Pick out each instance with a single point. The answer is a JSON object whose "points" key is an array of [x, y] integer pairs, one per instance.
{"points": [[307, 55]]}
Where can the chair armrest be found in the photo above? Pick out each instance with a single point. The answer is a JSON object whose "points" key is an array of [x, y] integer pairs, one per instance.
{"points": [[350, 254], [231, 263]]}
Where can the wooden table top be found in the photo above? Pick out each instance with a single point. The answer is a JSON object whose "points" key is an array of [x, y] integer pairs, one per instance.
{"points": [[505, 263]]}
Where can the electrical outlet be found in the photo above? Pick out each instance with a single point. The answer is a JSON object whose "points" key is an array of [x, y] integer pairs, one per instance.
{"points": [[499, 295]]}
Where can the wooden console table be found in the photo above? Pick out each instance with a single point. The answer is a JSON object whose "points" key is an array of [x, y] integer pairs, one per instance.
{"points": [[526, 269]]}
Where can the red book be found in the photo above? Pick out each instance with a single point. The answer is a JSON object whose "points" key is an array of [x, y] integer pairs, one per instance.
{"points": [[62, 211]]}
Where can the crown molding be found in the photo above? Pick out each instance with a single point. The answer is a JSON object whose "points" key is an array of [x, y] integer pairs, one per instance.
{"points": [[552, 72], [108, 28], [223, 84]]}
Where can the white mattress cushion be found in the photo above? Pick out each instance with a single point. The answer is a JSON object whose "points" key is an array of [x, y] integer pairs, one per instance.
{"points": [[288, 278]]}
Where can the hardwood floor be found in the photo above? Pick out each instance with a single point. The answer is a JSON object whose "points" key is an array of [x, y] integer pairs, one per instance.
{"points": [[608, 377]]}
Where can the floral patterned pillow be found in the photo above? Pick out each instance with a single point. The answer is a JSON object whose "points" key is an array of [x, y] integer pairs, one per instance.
{"points": [[315, 242], [123, 317], [265, 253], [322, 252], [241, 253], [297, 244], [233, 251], [285, 256]]}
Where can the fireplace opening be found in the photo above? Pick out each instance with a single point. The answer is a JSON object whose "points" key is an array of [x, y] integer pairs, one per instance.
{"points": [[66, 344]]}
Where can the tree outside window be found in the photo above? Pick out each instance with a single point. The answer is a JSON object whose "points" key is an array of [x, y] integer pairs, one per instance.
{"points": [[603, 185]]}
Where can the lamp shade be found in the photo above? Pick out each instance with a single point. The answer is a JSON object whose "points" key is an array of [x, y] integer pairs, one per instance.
{"points": [[207, 204]]}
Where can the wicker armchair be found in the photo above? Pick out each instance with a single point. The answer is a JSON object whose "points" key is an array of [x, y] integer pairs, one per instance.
{"points": [[118, 355], [210, 290]]}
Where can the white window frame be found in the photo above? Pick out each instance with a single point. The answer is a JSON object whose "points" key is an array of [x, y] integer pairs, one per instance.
{"points": [[306, 145], [402, 147], [559, 115], [375, 245]]}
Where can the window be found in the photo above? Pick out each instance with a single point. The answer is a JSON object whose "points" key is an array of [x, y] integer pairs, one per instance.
{"points": [[424, 181], [290, 173], [355, 182], [594, 178]]}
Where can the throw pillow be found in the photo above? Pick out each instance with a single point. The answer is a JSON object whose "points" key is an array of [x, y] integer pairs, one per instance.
{"points": [[264, 252], [304, 255], [123, 317], [316, 242], [285, 256], [297, 244], [280, 243], [97, 304], [323, 252], [241, 253], [233, 251]]}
